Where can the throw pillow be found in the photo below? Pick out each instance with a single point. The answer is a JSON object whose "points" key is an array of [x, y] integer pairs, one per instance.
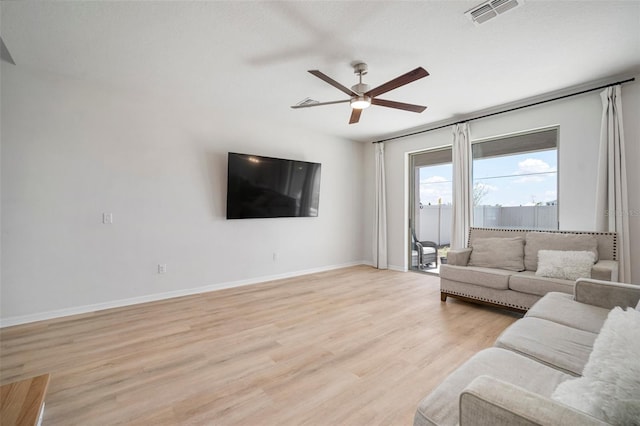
{"points": [[495, 252], [566, 265], [610, 386], [536, 241]]}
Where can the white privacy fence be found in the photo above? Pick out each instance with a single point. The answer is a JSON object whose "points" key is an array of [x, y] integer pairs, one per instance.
{"points": [[434, 223], [525, 217]]}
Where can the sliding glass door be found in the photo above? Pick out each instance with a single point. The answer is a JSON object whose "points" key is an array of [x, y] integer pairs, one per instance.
{"points": [[429, 232]]}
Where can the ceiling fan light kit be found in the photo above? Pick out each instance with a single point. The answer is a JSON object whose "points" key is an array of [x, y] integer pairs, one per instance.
{"points": [[360, 97], [360, 102]]}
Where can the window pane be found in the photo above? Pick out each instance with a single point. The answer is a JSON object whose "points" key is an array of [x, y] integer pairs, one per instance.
{"points": [[433, 221], [517, 190], [435, 184]]}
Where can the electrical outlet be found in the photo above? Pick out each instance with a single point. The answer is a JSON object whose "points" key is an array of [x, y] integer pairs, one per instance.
{"points": [[162, 268], [107, 218]]}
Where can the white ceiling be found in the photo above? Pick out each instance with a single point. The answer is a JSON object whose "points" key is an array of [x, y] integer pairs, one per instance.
{"points": [[250, 58]]}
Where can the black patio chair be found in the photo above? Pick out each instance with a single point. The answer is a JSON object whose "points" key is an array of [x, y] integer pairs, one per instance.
{"points": [[427, 251]]}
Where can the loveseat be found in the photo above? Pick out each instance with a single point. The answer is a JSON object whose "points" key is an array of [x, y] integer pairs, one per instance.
{"points": [[501, 266], [571, 360]]}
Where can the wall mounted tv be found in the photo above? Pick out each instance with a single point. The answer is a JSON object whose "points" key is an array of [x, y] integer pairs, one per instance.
{"points": [[261, 187]]}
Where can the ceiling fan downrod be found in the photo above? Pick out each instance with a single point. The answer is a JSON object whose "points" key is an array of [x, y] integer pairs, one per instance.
{"points": [[360, 69]]}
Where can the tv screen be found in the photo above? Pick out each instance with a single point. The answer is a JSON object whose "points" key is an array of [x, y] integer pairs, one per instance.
{"points": [[261, 187]]}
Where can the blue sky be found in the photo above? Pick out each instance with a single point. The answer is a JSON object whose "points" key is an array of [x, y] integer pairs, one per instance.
{"points": [[514, 180]]}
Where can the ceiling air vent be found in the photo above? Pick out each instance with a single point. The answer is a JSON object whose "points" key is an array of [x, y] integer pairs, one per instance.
{"points": [[490, 9]]}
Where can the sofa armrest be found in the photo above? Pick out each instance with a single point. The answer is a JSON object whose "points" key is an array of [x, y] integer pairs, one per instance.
{"points": [[606, 270], [459, 257], [606, 294], [487, 401]]}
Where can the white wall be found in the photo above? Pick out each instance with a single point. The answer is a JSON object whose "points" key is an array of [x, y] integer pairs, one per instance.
{"points": [[73, 150], [579, 121]]}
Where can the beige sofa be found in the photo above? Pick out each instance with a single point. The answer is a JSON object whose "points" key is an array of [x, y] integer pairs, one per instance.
{"points": [[501, 268], [512, 382]]}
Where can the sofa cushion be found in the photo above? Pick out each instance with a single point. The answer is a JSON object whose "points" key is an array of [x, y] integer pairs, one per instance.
{"points": [[535, 241], [562, 309], [502, 253], [567, 265], [528, 282], [559, 346], [610, 386], [485, 277], [428, 250], [440, 407], [606, 270], [458, 257]]}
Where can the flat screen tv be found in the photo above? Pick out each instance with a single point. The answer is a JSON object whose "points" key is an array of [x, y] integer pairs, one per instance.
{"points": [[262, 187]]}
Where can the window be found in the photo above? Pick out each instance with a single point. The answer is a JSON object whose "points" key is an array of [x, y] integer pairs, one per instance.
{"points": [[435, 175], [515, 181]]}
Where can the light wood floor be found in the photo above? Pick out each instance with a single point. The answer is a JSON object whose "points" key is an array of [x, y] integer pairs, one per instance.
{"points": [[355, 346]]}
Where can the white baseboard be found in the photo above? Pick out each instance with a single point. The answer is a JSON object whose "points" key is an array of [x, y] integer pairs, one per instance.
{"points": [[390, 267], [25, 319], [398, 268]]}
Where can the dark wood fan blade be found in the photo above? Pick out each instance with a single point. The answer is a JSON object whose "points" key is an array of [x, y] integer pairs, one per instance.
{"points": [[320, 104], [398, 81], [398, 105], [332, 82], [355, 116]]}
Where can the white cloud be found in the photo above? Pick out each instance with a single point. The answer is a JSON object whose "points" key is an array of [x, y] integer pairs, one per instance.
{"points": [[434, 189], [531, 166], [551, 195], [434, 179], [485, 186]]}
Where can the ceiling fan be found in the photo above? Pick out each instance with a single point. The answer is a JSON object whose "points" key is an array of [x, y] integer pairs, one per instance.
{"points": [[361, 97]]}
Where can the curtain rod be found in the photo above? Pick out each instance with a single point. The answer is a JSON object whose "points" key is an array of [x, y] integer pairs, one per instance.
{"points": [[507, 110]]}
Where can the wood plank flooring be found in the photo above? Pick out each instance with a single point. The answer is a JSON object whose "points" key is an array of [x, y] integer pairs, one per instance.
{"points": [[354, 346]]}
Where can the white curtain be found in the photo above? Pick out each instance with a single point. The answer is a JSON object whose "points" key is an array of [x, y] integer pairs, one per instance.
{"points": [[380, 219], [461, 186], [612, 208]]}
